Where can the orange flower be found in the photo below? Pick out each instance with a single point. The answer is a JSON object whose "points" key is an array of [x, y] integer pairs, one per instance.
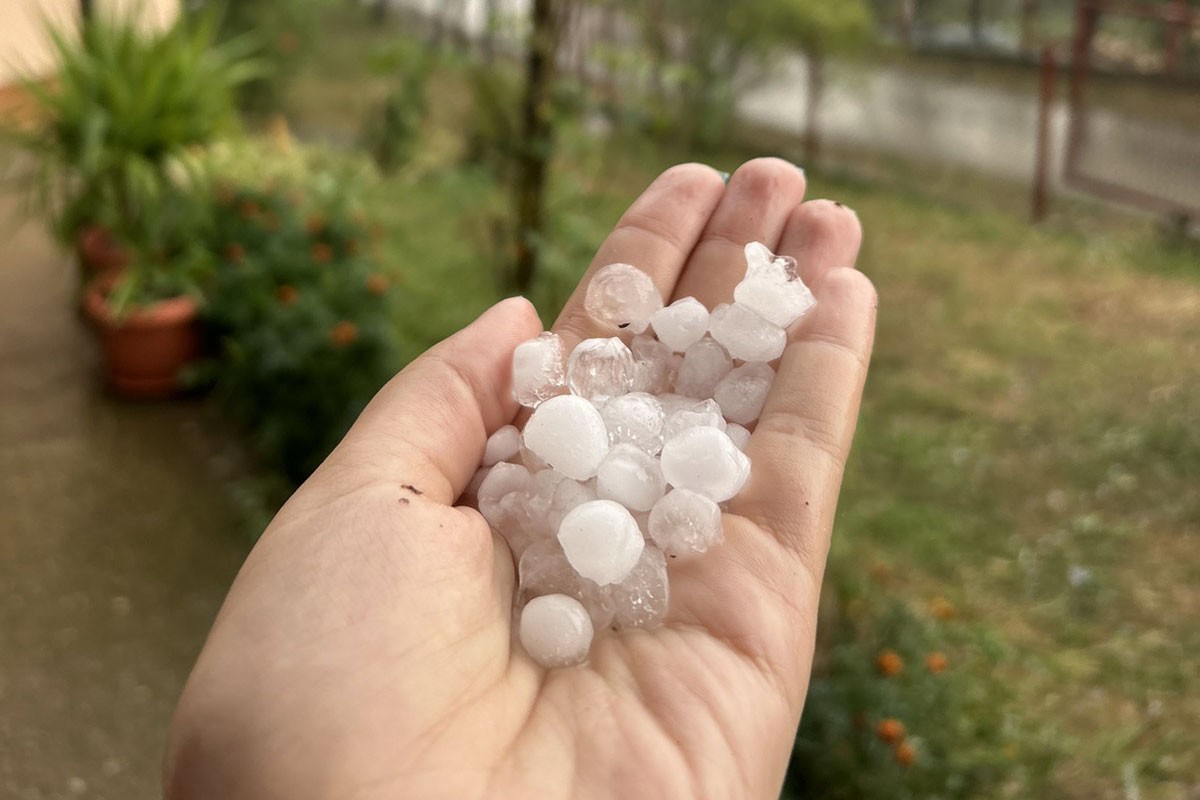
{"points": [[936, 662], [906, 754], [377, 284], [889, 663], [322, 253], [314, 223], [287, 295], [941, 609], [250, 209], [343, 333], [880, 571], [235, 252], [890, 730]]}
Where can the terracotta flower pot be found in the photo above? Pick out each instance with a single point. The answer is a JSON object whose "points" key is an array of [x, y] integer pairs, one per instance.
{"points": [[99, 251], [145, 350]]}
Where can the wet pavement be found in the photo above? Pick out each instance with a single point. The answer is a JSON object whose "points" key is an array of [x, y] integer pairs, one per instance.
{"points": [[117, 543]]}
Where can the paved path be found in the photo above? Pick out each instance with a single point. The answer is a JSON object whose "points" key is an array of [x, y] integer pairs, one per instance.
{"points": [[116, 548]]}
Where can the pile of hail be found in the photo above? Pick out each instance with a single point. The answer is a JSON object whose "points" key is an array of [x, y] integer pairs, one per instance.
{"points": [[631, 448]]}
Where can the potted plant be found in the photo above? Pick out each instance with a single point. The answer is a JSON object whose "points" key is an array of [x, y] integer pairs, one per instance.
{"points": [[113, 169]]}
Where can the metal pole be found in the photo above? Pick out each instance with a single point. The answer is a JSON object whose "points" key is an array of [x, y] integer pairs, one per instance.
{"points": [[1041, 170]]}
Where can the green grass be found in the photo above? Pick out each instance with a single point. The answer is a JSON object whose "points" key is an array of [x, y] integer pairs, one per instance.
{"points": [[1029, 447]]}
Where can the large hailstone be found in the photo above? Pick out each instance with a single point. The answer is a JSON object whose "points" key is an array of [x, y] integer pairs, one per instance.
{"points": [[543, 569], [600, 369], [685, 523], [746, 335], [742, 393], [539, 369], [641, 600], [601, 540], [772, 287], [706, 461], [681, 324], [568, 433], [623, 296], [704, 364], [556, 630], [637, 419], [502, 445], [631, 477]]}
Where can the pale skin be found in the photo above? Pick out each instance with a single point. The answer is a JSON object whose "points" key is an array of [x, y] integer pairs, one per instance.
{"points": [[365, 650]]}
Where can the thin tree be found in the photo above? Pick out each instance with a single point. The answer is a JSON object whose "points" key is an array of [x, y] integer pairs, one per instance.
{"points": [[975, 21], [488, 40]]}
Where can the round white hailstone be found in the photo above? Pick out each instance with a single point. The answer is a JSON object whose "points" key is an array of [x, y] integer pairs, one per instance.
{"points": [[746, 335], [502, 445], [631, 477], [543, 569], [600, 368], [772, 287], [685, 523], [641, 600], [738, 435], [703, 412], [742, 393], [635, 419], [502, 479], [705, 460], [556, 630], [704, 364], [675, 402], [568, 433], [602, 541], [681, 324], [567, 495], [539, 369], [622, 295], [654, 365]]}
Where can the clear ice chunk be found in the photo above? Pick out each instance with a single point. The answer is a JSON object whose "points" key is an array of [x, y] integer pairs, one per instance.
{"points": [[699, 412], [601, 540], [544, 569], [685, 523], [681, 324], [641, 600], [599, 369], [623, 296], [704, 364], [637, 419], [654, 365], [746, 335], [539, 369], [772, 287], [631, 477], [742, 393], [502, 479], [705, 460], [556, 631], [568, 433]]}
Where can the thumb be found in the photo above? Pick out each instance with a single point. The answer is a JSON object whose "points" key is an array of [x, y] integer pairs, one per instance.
{"points": [[427, 427]]}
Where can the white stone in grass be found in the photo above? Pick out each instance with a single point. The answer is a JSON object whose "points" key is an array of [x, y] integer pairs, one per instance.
{"points": [[623, 296], [746, 335], [705, 460], [599, 369], [704, 364], [699, 412], [556, 630], [772, 287], [502, 445], [631, 477], [742, 393], [502, 479], [539, 369], [654, 365], [568, 433], [642, 599], [685, 523], [738, 435], [681, 324], [637, 419], [543, 569], [601, 540]]}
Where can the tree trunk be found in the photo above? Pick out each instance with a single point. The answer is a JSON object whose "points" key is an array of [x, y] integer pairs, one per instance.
{"points": [[379, 11], [816, 89], [906, 19], [1029, 15], [537, 140], [975, 21], [488, 40]]}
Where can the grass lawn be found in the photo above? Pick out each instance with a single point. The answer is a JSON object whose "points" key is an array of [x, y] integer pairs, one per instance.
{"points": [[1029, 450]]}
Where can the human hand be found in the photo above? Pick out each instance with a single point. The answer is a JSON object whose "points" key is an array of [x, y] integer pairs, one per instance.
{"points": [[365, 649]]}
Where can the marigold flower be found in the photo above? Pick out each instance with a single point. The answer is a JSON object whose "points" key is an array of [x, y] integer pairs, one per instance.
{"points": [[890, 730], [314, 223], [936, 662], [377, 284], [287, 295], [889, 663], [906, 754], [941, 608], [322, 253], [343, 333], [235, 252]]}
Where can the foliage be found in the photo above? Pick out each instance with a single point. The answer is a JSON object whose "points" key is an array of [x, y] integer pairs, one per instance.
{"points": [[116, 138], [392, 129], [298, 307]]}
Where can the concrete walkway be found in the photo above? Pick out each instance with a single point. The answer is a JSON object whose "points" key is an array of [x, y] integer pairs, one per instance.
{"points": [[117, 544]]}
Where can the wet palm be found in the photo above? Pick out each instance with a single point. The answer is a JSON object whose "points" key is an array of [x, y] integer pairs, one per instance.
{"points": [[365, 650]]}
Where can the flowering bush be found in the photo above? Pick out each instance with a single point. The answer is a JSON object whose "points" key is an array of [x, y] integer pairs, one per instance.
{"points": [[300, 313]]}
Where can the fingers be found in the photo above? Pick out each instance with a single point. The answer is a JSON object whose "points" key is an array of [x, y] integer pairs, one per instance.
{"points": [[800, 446], [428, 425], [821, 235], [656, 234], [755, 208]]}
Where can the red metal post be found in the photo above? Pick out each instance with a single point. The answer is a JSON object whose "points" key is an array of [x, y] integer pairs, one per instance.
{"points": [[1041, 170]]}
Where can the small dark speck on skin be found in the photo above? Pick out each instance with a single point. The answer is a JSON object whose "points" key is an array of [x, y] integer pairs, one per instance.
{"points": [[403, 501], [839, 205], [673, 555], [623, 325], [411, 488], [805, 502]]}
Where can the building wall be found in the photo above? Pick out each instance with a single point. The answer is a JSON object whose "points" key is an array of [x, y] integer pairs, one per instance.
{"points": [[24, 48]]}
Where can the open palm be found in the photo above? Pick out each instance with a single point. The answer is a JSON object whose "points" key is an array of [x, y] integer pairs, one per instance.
{"points": [[366, 650]]}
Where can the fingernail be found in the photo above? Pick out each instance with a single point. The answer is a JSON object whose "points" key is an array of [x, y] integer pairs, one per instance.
{"points": [[724, 176]]}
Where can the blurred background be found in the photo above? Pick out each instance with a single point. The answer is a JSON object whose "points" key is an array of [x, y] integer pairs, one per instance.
{"points": [[225, 227]]}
